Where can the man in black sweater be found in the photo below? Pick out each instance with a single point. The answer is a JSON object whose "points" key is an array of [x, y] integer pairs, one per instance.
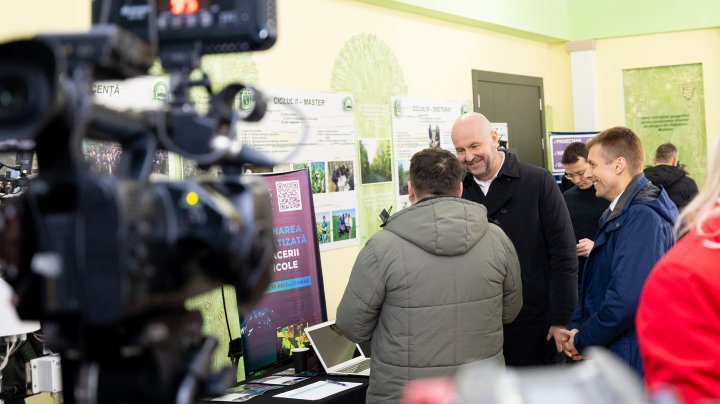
{"points": [[585, 208], [680, 188]]}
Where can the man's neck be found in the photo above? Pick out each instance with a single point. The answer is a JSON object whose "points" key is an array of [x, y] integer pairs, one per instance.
{"points": [[500, 159], [621, 187]]}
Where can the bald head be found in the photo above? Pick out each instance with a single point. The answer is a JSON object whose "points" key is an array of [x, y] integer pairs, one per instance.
{"points": [[476, 144], [472, 121]]}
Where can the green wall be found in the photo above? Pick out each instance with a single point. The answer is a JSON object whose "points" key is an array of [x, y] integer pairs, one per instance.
{"points": [[569, 20], [545, 20], [616, 18]]}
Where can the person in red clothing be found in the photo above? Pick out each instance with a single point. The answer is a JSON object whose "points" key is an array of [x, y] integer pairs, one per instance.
{"points": [[678, 320]]}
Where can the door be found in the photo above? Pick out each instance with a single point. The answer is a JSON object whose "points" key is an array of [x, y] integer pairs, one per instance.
{"points": [[517, 101]]}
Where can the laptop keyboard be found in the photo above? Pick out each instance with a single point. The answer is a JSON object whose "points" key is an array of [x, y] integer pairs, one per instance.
{"points": [[355, 368]]}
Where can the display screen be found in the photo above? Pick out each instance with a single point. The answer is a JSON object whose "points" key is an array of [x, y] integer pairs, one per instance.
{"points": [[218, 26], [178, 7], [294, 299]]}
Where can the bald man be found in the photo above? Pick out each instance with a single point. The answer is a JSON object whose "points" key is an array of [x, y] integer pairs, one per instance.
{"points": [[526, 203]]}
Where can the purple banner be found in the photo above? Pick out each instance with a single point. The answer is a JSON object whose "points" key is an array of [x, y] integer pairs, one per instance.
{"points": [[558, 143], [295, 297]]}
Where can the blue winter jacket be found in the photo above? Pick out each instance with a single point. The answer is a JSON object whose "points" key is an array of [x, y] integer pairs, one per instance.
{"points": [[628, 244]]}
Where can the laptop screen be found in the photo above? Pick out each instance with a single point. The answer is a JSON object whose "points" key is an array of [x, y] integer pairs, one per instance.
{"points": [[333, 347]]}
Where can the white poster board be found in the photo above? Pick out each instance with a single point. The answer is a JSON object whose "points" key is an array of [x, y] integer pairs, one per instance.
{"points": [[314, 130], [418, 124]]}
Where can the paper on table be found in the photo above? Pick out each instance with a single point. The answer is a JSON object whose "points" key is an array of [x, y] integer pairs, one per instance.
{"points": [[235, 397], [280, 380], [318, 390]]}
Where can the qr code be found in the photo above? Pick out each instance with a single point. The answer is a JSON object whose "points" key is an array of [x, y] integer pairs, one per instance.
{"points": [[288, 195]]}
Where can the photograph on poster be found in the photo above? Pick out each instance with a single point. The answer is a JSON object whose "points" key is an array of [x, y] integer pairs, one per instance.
{"points": [[317, 177], [104, 158], [342, 178], [344, 224], [160, 163], [289, 337], [375, 160], [433, 136], [323, 223], [403, 176], [190, 170]]}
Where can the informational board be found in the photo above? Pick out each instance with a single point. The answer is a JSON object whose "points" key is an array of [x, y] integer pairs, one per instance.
{"points": [[502, 130], [314, 131], [295, 297], [135, 94], [558, 143], [418, 124], [666, 104]]}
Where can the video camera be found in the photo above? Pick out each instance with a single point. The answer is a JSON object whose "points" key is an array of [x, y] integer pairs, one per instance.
{"points": [[106, 262]]}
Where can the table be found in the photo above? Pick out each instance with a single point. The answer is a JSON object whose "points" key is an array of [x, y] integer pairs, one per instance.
{"points": [[355, 395]]}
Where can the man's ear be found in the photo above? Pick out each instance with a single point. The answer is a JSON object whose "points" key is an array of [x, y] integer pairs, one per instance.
{"points": [[495, 138], [620, 165], [411, 194], [460, 190]]}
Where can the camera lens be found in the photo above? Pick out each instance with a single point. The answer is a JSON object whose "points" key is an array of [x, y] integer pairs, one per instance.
{"points": [[28, 82], [24, 95], [14, 94]]}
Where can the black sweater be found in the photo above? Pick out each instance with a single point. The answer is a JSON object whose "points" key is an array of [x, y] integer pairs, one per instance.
{"points": [[585, 211]]}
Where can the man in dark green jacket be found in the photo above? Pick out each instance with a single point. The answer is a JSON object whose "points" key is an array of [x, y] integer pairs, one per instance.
{"points": [[434, 288]]}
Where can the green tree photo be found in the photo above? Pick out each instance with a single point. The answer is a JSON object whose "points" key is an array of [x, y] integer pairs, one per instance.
{"points": [[375, 160], [317, 177], [403, 176]]}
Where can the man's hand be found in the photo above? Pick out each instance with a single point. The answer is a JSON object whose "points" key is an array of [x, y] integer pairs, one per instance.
{"points": [[569, 345], [560, 334], [583, 247]]}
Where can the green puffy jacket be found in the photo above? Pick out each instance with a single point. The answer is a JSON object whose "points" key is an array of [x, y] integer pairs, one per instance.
{"points": [[431, 291]]}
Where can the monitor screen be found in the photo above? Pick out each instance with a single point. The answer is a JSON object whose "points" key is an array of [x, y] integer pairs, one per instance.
{"points": [[295, 298]]}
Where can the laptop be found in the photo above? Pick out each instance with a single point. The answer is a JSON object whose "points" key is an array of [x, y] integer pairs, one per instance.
{"points": [[338, 355]]}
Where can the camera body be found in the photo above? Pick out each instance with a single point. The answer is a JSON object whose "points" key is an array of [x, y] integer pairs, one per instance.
{"points": [[106, 262]]}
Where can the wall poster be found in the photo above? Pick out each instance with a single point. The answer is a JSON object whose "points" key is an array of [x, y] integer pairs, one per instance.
{"points": [[559, 141], [667, 104], [314, 131], [416, 125]]}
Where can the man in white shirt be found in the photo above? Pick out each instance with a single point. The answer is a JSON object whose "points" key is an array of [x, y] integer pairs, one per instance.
{"points": [[525, 201]]}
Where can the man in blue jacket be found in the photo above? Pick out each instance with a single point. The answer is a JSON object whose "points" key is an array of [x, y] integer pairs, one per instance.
{"points": [[634, 233]]}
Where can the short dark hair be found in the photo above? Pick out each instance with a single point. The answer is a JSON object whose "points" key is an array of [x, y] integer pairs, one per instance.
{"points": [[573, 152], [665, 152], [621, 142], [435, 171]]}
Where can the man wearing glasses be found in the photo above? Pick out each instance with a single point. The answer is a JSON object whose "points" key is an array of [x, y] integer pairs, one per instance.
{"points": [[585, 208]]}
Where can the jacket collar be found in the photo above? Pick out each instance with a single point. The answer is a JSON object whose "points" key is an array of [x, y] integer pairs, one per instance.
{"points": [[638, 182], [510, 167], [502, 189]]}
